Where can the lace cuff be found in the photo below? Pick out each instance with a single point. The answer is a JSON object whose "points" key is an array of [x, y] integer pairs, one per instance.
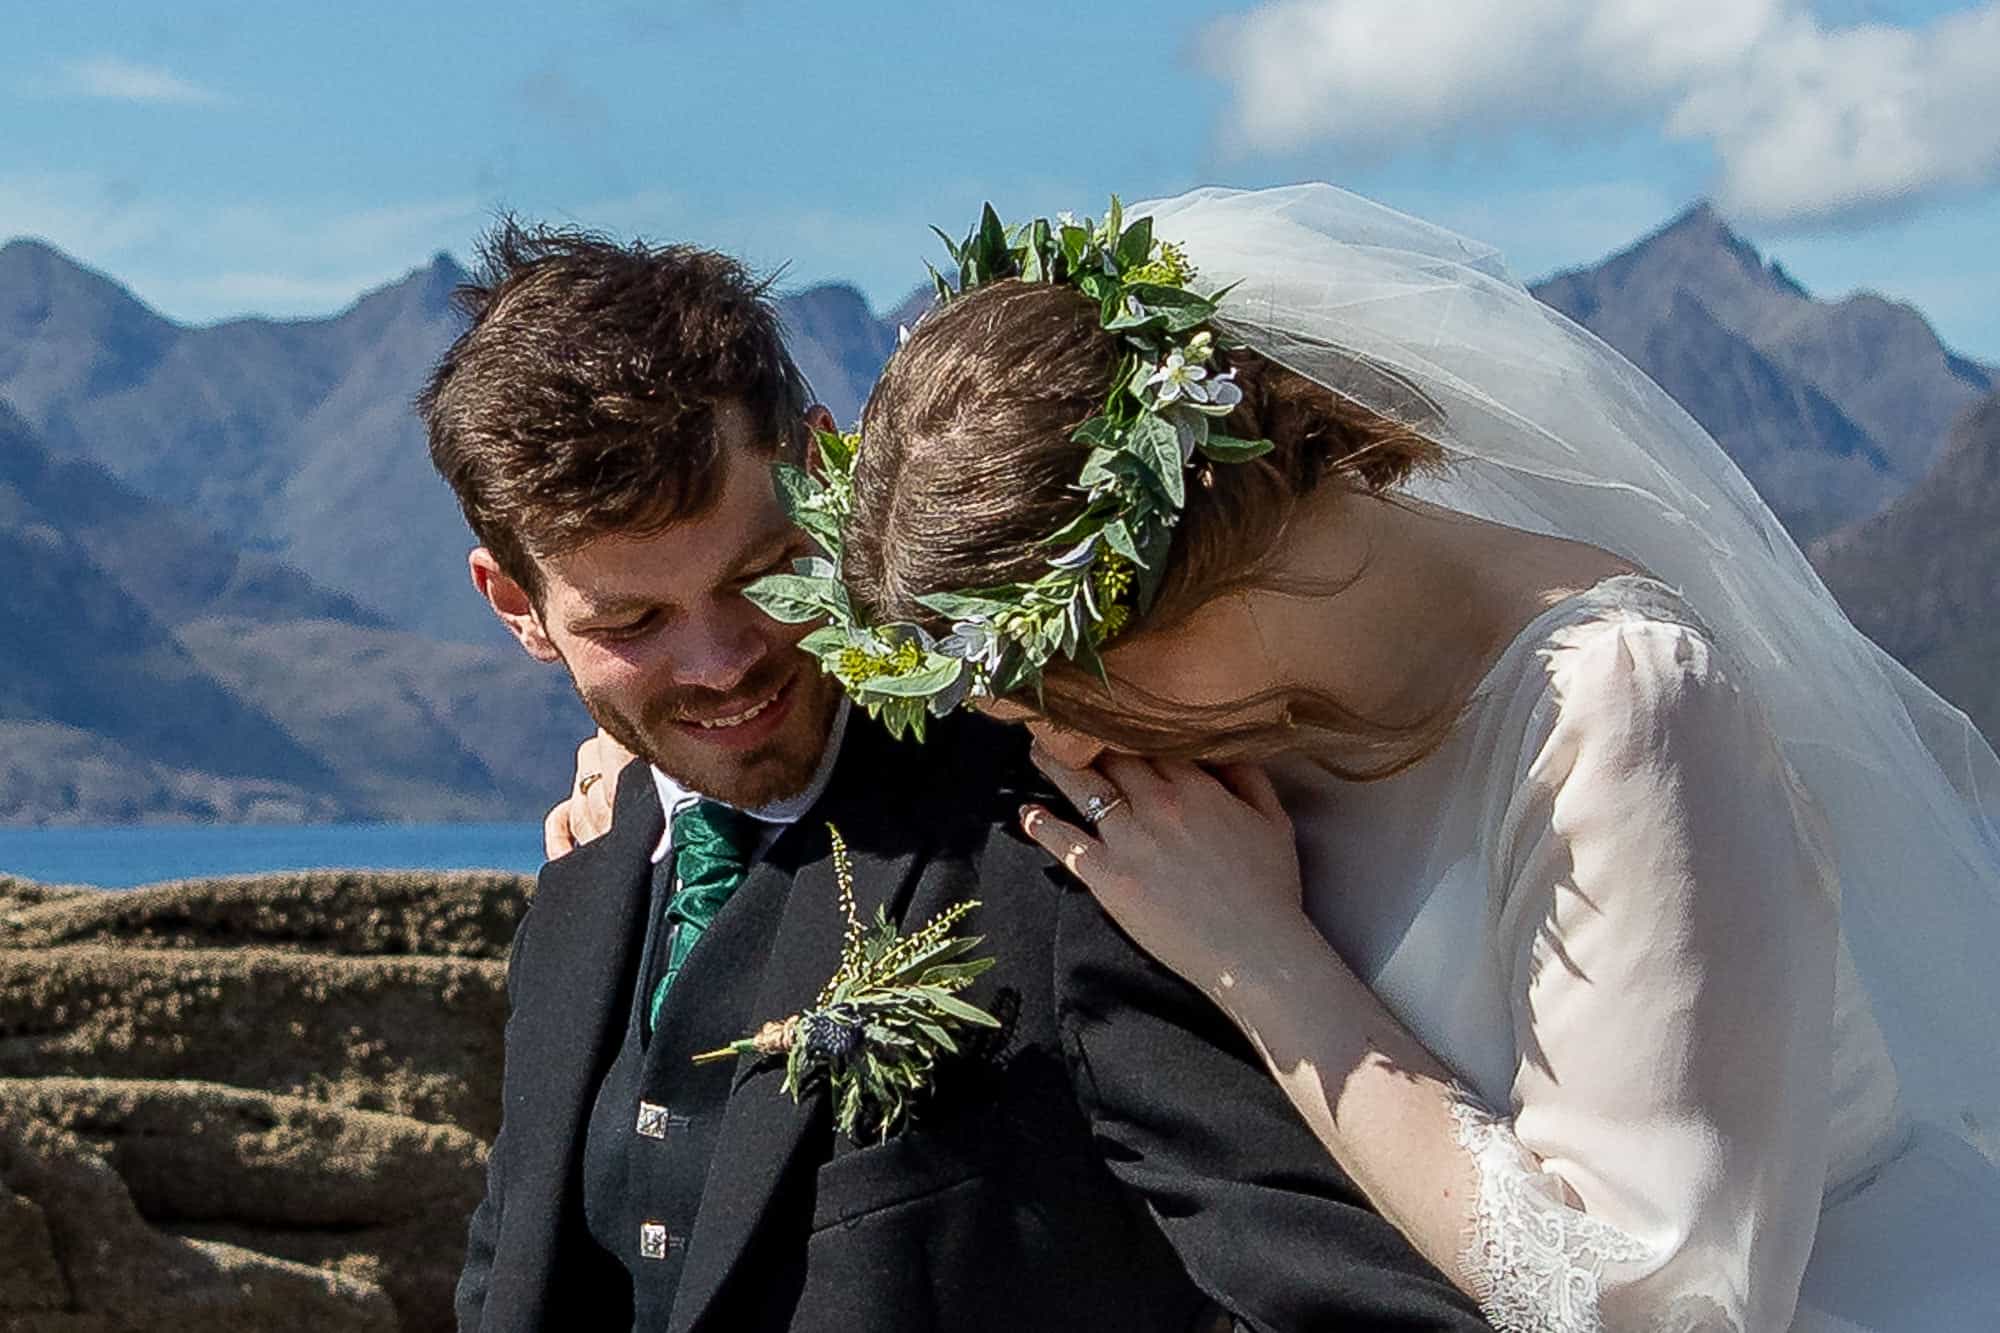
{"points": [[1534, 1263]]}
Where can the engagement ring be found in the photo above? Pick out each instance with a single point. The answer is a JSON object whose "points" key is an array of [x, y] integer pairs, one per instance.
{"points": [[1097, 807], [583, 783]]}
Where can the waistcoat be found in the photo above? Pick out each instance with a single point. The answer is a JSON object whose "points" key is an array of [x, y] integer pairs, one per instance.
{"points": [[653, 1124]]}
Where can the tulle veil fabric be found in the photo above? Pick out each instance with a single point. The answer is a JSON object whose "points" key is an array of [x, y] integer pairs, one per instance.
{"points": [[1552, 431]]}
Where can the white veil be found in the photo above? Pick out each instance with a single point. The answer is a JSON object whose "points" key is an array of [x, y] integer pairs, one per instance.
{"points": [[1552, 431]]}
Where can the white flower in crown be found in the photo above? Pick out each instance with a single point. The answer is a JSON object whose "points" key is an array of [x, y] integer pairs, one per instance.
{"points": [[1223, 391], [1178, 377], [975, 641]]}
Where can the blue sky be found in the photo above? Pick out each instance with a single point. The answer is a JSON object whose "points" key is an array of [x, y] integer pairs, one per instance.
{"points": [[282, 158]]}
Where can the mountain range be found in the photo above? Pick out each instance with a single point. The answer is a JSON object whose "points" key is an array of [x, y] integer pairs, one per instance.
{"points": [[1922, 578], [327, 657], [1832, 409], [156, 672], [239, 590]]}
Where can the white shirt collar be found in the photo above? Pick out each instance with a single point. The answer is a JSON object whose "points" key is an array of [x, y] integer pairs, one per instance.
{"points": [[778, 814]]}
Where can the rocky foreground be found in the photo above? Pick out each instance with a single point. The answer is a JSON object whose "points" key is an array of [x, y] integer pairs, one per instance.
{"points": [[247, 1104]]}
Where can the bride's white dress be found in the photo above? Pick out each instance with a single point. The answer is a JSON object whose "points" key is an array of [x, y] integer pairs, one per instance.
{"points": [[1606, 904]]}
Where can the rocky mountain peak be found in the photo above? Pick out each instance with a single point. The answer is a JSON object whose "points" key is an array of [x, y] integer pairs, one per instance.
{"points": [[1700, 219], [833, 301], [839, 344], [1700, 251], [1829, 369], [66, 329], [1703, 228], [439, 279], [33, 272], [423, 294], [26, 254]]}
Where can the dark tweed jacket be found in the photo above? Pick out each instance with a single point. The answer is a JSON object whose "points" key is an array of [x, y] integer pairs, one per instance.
{"points": [[1118, 1161]]}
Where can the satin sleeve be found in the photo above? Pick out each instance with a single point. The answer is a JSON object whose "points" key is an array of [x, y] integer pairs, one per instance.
{"points": [[1668, 929]]}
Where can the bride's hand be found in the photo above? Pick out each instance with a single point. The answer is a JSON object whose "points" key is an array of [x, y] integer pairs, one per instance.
{"points": [[586, 812], [1197, 866]]}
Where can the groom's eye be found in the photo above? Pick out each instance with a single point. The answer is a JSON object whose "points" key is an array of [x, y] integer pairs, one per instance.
{"points": [[627, 629]]}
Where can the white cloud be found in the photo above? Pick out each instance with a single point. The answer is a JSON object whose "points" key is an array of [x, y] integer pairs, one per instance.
{"points": [[1845, 123], [1367, 74], [1807, 122], [116, 79]]}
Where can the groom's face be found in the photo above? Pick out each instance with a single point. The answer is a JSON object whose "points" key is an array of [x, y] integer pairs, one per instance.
{"points": [[673, 661]]}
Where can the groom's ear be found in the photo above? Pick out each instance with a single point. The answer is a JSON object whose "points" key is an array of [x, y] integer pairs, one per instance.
{"points": [[510, 602]]}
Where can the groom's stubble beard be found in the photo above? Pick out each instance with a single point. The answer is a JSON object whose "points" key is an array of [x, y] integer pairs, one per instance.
{"points": [[783, 766]]}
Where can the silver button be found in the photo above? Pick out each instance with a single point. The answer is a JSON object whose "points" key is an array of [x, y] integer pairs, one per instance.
{"points": [[654, 1120], [653, 1240]]}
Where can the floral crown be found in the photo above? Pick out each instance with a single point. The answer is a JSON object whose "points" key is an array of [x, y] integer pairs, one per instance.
{"points": [[1105, 566]]}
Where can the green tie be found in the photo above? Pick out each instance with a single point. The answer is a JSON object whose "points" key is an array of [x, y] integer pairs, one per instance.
{"points": [[711, 849]]}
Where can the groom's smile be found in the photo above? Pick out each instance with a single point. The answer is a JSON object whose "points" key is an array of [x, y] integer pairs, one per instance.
{"points": [[747, 727], [669, 656]]}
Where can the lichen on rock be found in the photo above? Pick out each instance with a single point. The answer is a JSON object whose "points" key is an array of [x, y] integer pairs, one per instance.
{"points": [[248, 1103]]}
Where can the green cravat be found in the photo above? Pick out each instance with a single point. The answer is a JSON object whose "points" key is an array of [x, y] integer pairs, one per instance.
{"points": [[711, 850]]}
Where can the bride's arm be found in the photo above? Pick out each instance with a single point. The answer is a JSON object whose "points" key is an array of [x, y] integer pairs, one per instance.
{"points": [[1375, 1096], [1206, 880], [1667, 935]]}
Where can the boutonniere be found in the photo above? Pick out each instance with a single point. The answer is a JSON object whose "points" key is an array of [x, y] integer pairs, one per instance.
{"points": [[876, 1031]]}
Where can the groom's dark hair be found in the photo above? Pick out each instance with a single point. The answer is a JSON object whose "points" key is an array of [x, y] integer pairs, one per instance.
{"points": [[581, 400]]}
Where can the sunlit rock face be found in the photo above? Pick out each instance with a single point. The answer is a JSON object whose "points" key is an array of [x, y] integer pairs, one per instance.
{"points": [[250, 1103]]}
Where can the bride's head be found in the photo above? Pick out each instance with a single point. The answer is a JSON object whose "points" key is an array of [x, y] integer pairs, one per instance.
{"points": [[969, 468]]}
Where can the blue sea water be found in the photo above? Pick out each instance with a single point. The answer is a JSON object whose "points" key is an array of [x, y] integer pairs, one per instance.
{"points": [[124, 857]]}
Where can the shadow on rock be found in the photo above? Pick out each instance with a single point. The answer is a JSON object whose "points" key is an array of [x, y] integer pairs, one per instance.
{"points": [[249, 1103]]}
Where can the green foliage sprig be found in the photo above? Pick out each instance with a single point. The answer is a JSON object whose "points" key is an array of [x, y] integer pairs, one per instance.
{"points": [[881, 1022], [1106, 565]]}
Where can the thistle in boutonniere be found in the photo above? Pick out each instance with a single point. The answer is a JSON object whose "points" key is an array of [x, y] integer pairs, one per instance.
{"points": [[883, 1019]]}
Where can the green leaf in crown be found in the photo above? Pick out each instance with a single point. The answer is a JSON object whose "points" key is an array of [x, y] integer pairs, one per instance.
{"points": [[1105, 565]]}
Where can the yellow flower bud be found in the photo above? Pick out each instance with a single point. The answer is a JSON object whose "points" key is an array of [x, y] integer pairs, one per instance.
{"points": [[1112, 578], [1167, 267], [852, 666]]}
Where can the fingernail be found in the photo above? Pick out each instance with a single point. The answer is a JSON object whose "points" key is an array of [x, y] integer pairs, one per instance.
{"points": [[1028, 813]]}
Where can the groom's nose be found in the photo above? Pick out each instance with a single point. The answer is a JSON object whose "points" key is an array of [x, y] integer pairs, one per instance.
{"points": [[717, 650]]}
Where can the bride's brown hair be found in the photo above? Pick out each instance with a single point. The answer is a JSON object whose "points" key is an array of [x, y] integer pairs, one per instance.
{"points": [[969, 467]]}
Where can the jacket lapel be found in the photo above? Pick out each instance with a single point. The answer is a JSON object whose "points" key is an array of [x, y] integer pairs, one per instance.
{"points": [[766, 1139], [570, 1007]]}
